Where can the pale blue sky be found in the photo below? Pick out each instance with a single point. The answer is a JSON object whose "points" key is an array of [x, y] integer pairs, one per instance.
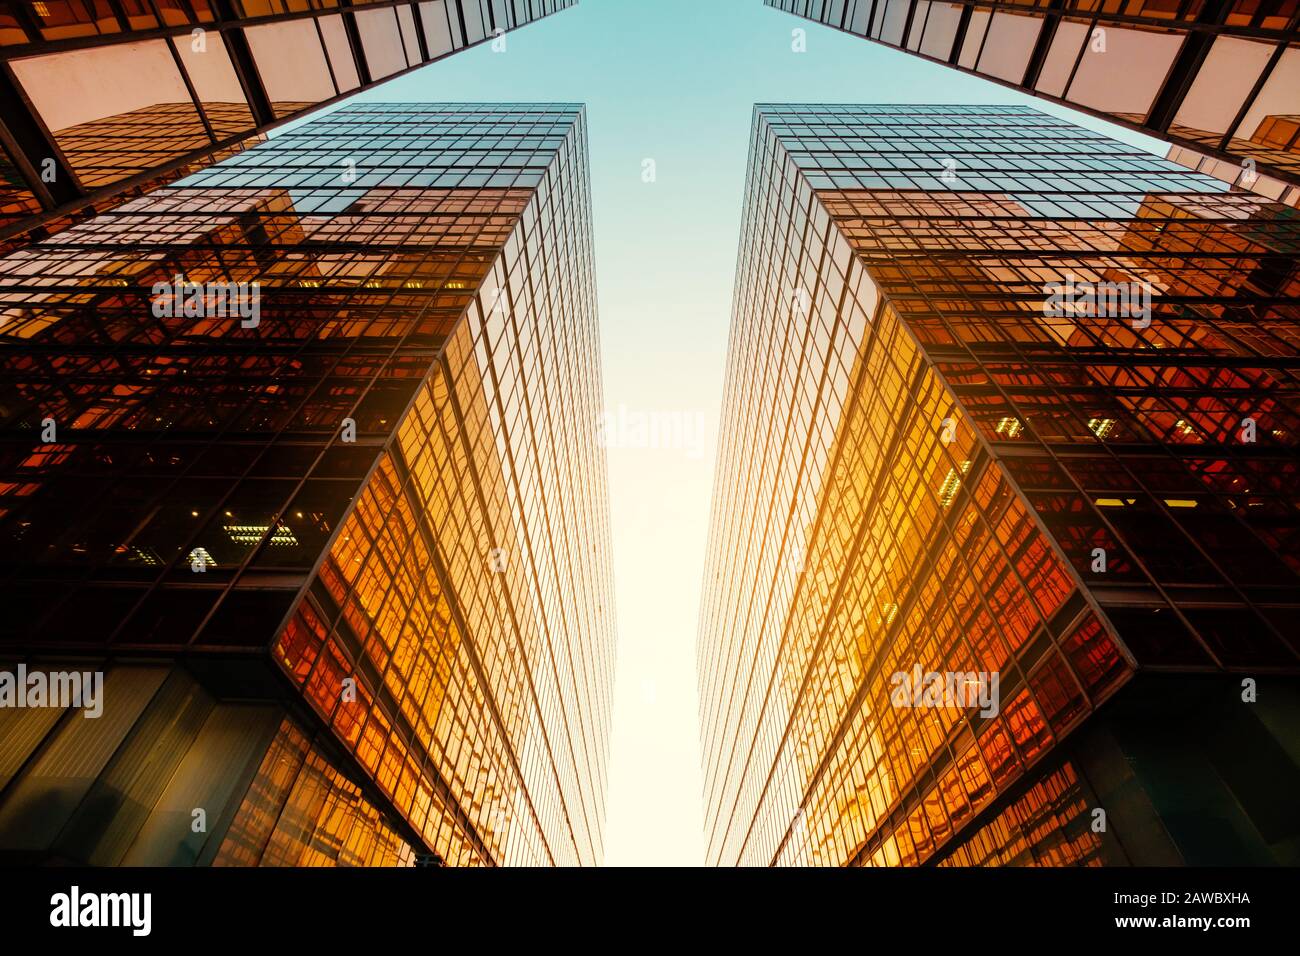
{"points": [[674, 81]]}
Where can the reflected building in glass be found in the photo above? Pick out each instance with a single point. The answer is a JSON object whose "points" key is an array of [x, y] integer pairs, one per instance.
{"points": [[101, 100], [1220, 77], [300, 453], [1237, 175], [1011, 410]]}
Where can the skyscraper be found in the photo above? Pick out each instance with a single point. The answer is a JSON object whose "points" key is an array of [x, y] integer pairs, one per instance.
{"points": [[101, 99], [1003, 565], [299, 453], [1217, 76]]}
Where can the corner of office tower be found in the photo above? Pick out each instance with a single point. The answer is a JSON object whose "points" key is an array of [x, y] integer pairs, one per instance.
{"points": [[68, 156], [1236, 104], [270, 545], [1154, 679]]}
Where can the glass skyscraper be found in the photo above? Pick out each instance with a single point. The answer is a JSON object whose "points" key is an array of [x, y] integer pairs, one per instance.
{"points": [[104, 99], [300, 453], [1004, 564], [1216, 76]]}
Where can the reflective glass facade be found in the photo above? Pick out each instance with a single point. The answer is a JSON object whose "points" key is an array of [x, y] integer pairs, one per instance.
{"points": [[1234, 174], [1217, 77], [924, 465], [378, 510], [99, 96]]}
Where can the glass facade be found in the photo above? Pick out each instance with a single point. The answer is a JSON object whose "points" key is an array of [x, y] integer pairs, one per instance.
{"points": [[1235, 175], [17, 201], [1216, 77], [98, 96], [376, 505], [929, 467]]}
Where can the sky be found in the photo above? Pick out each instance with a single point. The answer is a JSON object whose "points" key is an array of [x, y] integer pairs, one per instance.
{"points": [[674, 82]]}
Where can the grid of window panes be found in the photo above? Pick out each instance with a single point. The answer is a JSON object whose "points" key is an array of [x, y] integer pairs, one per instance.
{"points": [[108, 150], [33, 231], [1210, 75], [895, 453], [171, 749], [194, 441], [1049, 825], [174, 78], [17, 201], [299, 810], [518, 531], [1169, 441], [1236, 175], [23, 22]]}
